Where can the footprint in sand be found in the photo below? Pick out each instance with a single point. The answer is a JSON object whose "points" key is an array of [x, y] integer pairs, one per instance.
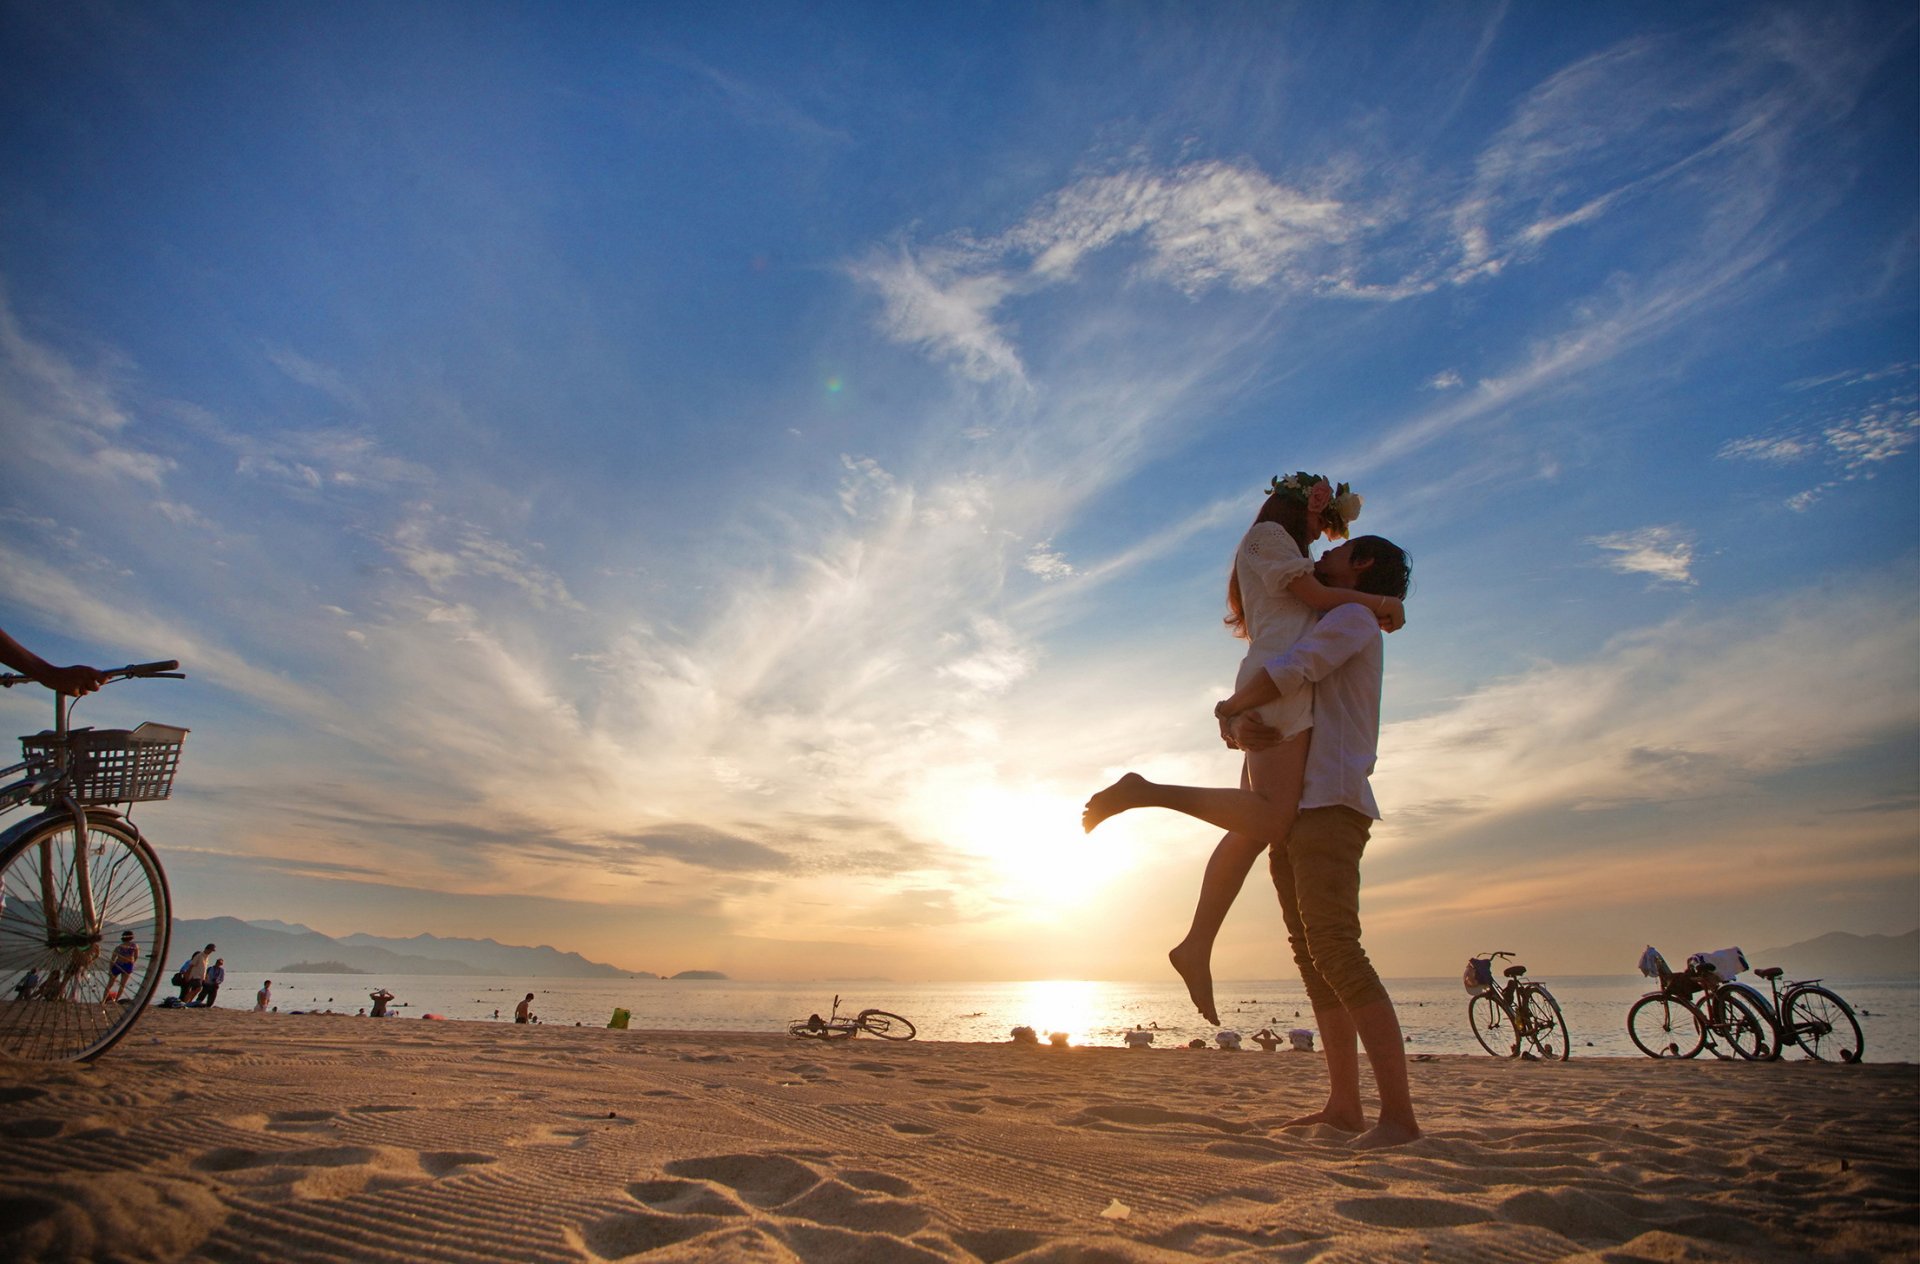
{"points": [[328, 1172], [1411, 1213], [1148, 1116], [913, 1130], [763, 1180]]}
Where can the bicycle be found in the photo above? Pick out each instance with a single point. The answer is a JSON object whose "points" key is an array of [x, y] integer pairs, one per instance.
{"points": [[1670, 1024], [1813, 1017], [84, 909], [1526, 1011], [876, 1022]]}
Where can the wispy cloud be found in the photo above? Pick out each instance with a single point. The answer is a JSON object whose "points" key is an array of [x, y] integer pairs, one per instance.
{"points": [[1663, 553]]}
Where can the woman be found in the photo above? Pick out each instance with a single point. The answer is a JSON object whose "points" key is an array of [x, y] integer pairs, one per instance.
{"points": [[1272, 600]]}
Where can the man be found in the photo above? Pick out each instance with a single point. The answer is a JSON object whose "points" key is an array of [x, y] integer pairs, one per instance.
{"points": [[210, 989], [194, 976], [381, 998], [1317, 870], [523, 1012], [263, 998]]}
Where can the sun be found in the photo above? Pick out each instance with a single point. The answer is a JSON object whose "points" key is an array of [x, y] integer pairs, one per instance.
{"points": [[1030, 838]]}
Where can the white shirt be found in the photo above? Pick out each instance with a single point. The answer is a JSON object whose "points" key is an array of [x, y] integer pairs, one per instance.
{"points": [[1342, 660], [1267, 561]]}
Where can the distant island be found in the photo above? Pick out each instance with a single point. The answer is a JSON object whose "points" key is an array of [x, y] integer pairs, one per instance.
{"points": [[320, 967], [699, 974]]}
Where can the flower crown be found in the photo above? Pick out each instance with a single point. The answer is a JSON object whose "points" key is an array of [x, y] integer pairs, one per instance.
{"points": [[1337, 506]]}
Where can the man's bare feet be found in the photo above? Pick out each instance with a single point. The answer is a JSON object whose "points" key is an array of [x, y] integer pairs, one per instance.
{"points": [[1128, 792], [1384, 1134], [1195, 968], [1355, 1122]]}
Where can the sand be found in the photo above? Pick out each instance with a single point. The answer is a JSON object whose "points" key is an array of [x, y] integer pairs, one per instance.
{"points": [[228, 1136]]}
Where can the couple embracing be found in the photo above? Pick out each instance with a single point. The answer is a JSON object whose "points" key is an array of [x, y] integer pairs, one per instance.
{"points": [[1306, 715]]}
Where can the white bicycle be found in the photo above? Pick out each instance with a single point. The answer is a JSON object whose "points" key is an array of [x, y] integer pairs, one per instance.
{"points": [[84, 912]]}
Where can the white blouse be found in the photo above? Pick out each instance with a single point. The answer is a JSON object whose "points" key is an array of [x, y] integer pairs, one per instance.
{"points": [[1267, 561]]}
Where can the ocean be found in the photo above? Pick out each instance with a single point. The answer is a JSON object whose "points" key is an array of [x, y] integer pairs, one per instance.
{"points": [[1433, 1012]]}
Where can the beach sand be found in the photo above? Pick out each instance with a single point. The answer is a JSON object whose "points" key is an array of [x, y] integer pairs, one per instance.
{"points": [[228, 1136]]}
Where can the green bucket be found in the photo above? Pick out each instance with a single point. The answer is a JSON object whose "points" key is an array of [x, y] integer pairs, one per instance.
{"points": [[619, 1019]]}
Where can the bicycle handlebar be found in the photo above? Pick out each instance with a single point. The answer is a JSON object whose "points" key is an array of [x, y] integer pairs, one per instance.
{"points": [[166, 669], [1491, 955]]}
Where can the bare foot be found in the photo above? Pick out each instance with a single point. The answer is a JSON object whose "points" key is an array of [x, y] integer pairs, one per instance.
{"points": [[1128, 792], [1355, 1122], [1195, 968], [1384, 1134]]}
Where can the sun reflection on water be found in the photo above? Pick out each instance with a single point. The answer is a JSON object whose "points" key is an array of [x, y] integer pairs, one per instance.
{"points": [[1069, 1005]]}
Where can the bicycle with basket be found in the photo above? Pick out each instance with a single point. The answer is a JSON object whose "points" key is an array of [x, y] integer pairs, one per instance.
{"points": [[1672, 1023], [84, 907], [1519, 1018]]}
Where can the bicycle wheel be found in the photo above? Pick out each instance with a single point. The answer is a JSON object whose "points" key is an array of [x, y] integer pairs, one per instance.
{"points": [[1666, 1027], [1543, 1028], [55, 961], [884, 1025], [1491, 1027], [1824, 1025], [1732, 1019]]}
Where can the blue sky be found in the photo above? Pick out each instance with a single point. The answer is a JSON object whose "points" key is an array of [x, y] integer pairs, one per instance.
{"points": [[718, 488]]}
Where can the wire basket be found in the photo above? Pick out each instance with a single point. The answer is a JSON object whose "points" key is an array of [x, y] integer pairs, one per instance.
{"points": [[110, 765]]}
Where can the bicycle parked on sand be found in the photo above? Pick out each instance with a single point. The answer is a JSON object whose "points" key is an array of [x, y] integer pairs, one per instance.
{"points": [[876, 1022], [1519, 1018], [84, 912], [1813, 1017], [1670, 1023]]}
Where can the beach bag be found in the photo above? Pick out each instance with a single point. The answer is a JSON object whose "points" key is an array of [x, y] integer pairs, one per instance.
{"points": [[1478, 978], [179, 979], [1726, 962], [1652, 964]]}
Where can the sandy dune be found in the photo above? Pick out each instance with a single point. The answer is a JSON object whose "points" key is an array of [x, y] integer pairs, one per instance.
{"points": [[227, 1136]]}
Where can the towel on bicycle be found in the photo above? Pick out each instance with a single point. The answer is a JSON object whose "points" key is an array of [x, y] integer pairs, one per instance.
{"points": [[1726, 962]]}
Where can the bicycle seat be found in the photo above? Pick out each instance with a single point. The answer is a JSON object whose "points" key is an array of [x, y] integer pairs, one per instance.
{"points": [[1771, 972], [1514, 972]]}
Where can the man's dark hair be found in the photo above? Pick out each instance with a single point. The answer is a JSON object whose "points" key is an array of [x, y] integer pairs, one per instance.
{"points": [[1392, 569]]}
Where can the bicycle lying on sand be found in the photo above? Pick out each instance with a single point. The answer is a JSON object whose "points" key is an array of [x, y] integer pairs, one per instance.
{"points": [[1670, 1023], [84, 913], [877, 1022], [1520, 1018]]}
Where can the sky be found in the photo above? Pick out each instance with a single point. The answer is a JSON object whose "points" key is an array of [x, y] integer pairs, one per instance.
{"points": [[717, 487]]}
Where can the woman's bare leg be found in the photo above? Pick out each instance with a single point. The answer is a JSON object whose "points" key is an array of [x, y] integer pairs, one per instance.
{"points": [[1273, 777], [1265, 811], [1192, 957]]}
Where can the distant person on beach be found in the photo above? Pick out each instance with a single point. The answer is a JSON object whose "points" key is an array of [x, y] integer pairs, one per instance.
{"points": [[380, 1000], [523, 1012], [120, 967], [264, 997], [193, 975], [1273, 599], [210, 989], [23, 990], [71, 680], [1316, 868]]}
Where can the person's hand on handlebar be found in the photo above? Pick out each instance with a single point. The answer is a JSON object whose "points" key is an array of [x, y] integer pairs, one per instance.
{"points": [[76, 680]]}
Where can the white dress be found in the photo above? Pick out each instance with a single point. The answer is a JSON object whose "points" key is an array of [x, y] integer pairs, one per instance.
{"points": [[1266, 562]]}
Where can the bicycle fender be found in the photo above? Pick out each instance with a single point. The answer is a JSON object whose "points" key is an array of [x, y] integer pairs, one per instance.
{"points": [[105, 816]]}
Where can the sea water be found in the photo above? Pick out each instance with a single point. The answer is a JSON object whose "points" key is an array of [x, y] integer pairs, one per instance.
{"points": [[1433, 1012]]}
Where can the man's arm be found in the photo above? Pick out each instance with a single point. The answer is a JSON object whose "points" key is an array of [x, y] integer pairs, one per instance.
{"points": [[70, 680], [1339, 635]]}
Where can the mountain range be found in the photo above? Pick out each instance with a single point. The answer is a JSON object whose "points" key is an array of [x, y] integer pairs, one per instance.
{"points": [[1840, 955], [268, 946]]}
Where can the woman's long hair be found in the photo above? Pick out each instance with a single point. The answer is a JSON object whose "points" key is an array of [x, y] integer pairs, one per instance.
{"points": [[1290, 511]]}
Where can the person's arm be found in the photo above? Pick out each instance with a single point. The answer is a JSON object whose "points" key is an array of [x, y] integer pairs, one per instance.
{"points": [[71, 680], [1390, 611], [1334, 640]]}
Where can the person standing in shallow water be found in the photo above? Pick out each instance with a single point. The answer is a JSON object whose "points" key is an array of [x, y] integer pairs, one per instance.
{"points": [[1273, 598], [1316, 869]]}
